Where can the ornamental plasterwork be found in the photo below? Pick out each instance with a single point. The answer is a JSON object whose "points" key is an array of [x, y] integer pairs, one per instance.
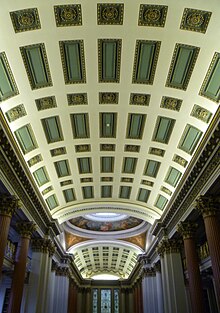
{"points": [[48, 189], [16, 112], [132, 148], [171, 103], [25, 20], [108, 97], [58, 151], [106, 179], [147, 183], [68, 15], [201, 113], [195, 20], [166, 190], [107, 147], [157, 151], [77, 99], [139, 99], [82, 148], [46, 103], [66, 182], [152, 15], [36, 159], [181, 161], [86, 180], [127, 180], [110, 13]]}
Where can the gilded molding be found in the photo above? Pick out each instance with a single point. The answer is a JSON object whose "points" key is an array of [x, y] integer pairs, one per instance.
{"points": [[26, 229], [8, 205], [110, 13], [187, 229], [68, 15], [25, 20], [195, 20], [152, 15]]}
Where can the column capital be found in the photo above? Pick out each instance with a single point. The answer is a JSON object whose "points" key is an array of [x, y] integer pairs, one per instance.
{"points": [[207, 205], [187, 229], [149, 272], [43, 245], [8, 204], [26, 229], [157, 267], [62, 271], [168, 246]]}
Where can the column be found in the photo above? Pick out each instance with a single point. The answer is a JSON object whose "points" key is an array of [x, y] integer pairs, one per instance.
{"points": [[88, 299], [79, 300], [8, 204], [51, 287], [25, 229], [187, 230], [149, 291], [207, 206], [71, 297], [159, 289], [122, 300], [61, 290], [37, 294], [172, 277], [131, 300]]}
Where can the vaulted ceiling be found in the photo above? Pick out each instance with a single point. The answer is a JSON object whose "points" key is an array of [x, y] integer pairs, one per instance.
{"points": [[108, 102]]}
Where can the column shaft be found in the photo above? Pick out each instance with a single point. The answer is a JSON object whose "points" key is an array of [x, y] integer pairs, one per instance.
{"points": [[4, 228]]}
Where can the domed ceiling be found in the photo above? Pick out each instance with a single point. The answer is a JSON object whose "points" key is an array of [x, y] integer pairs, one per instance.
{"points": [[108, 102]]}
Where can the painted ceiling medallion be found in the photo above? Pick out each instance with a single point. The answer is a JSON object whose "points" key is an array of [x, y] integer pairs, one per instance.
{"points": [[110, 14], [195, 20], [152, 15], [25, 20], [68, 15]]}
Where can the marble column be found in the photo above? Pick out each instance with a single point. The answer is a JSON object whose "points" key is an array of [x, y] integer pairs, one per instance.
{"points": [[25, 229], [187, 230], [61, 290], [51, 287], [159, 288], [36, 300], [207, 206], [149, 291], [8, 204], [172, 277], [71, 297]]}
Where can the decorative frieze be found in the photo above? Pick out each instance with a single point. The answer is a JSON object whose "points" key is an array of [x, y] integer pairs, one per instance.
{"points": [[8, 204], [187, 229]]}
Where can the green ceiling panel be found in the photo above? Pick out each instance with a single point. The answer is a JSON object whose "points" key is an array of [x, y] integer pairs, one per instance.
{"points": [[52, 129], [135, 126], [62, 168], [26, 138], [36, 64], [108, 125], [52, 202], [84, 165], [80, 125], [152, 168], [146, 56], [125, 192], [173, 176], [143, 195], [107, 164], [8, 87], [129, 165], [106, 191], [211, 85], [161, 202], [109, 60], [190, 139], [87, 192], [163, 129], [41, 176], [182, 65], [72, 54], [69, 195]]}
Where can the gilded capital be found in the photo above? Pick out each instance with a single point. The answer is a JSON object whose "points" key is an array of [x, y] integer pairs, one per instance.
{"points": [[8, 204], [26, 229], [187, 229], [149, 272], [43, 245], [207, 205], [168, 246], [62, 271]]}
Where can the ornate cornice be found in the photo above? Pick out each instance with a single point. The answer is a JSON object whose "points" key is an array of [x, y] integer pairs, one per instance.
{"points": [[187, 229], [207, 206], [26, 229], [8, 204]]}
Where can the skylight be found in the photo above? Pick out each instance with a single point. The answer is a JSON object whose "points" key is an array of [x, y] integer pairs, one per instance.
{"points": [[105, 277]]}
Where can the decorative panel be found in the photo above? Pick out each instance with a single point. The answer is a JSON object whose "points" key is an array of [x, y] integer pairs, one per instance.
{"points": [[108, 124], [58, 151], [69, 195], [94, 300], [135, 126], [171, 103], [201, 113], [157, 151], [139, 99], [211, 85], [106, 301], [77, 99], [66, 182], [108, 97], [129, 165], [8, 87], [109, 59], [106, 179], [16, 113], [110, 13], [68, 15], [87, 192], [143, 195], [161, 202], [36, 65], [127, 180], [132, 148], [80, 125], [180, 160], [146, 56], [173, 176], [84, 165], [48, 189], [147, 183], [24, 20], [182, 64], [166, 190], [152, 15], [26, 138], [73, 61], [36, 159], [41, 176], [116, 301], [152, 168], [125, 192], [195, 20], [107, 164], [52, 129], [86, 180], [106, 191], [107, 147], [46, 103], [163, 129], [52, 202], [83, 148], [189, 139], [62, 168]]}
